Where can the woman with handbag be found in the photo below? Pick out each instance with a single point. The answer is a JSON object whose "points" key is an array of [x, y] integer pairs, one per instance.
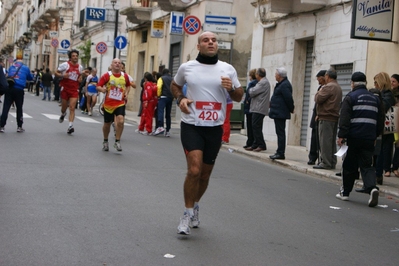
{"points": [[382, 82]]}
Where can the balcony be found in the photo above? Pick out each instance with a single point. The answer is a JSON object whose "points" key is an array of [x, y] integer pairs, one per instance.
{"points": [[174, 5], [296, 6], [137, 15], [46, 12]]}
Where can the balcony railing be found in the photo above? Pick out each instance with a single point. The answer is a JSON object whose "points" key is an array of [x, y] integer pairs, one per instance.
{"points": [[46, 11]]}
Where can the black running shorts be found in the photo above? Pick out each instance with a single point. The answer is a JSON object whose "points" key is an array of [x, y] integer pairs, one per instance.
{"points": [[206, 139], [109, 117]]}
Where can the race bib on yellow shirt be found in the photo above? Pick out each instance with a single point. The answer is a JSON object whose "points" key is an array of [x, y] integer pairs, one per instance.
{"points": [[116, 94]]}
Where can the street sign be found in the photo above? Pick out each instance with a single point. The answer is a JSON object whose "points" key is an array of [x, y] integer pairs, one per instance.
{"points": [[191, 25], [157, 28], [53, 34], [220, 28], [176, 22], [224, 45], [26, 54], [101, 47], [54, 42], [223, 24], [65, 44], [95, 14], [62, 51], [221, 20], [120, 42]]}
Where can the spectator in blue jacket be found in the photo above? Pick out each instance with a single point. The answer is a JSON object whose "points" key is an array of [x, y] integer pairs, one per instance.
{"points": [[281, 107], [21, 73]]}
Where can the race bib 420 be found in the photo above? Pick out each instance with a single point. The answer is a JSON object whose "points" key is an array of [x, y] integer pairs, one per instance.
{"points": [[208, 113]]}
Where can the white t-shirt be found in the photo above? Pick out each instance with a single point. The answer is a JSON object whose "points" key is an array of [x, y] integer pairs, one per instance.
{"points": [[204, 86]]}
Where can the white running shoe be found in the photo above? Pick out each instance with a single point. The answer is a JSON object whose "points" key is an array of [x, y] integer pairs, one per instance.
{"points": [[167, 134], [20, 129], [105, 146], [159, 131], [118, 146], [184, 226], [373, 201], [2, 129], [70, 130], [341, 196], [195, 221]]}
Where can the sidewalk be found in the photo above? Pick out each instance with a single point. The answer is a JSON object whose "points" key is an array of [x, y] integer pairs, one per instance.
{"points": [[296, 158]]}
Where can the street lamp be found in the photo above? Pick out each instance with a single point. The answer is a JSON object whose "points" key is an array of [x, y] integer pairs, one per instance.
{"points": [[113, 2], [61, 22]]}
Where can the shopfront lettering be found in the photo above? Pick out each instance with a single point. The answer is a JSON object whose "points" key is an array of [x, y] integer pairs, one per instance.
{"points": [[368, 9]]}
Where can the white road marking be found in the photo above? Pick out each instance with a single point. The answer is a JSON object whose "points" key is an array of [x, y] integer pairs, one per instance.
{"points": [[24, 115]]}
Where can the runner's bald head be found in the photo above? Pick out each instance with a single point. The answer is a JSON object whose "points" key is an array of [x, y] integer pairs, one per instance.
{"points": [[206, 33]]}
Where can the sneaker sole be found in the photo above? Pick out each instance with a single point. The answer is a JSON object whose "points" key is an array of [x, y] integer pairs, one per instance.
{"points": [[181, 232], [117, 148], [342, 197], [195, 225], [374, 198]]}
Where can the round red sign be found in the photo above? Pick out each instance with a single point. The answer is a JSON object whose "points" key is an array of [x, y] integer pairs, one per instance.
{"points": [[191, 25], [101, 47]]}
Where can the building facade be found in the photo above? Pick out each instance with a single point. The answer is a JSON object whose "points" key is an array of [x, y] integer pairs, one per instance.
{"points": [[305, 36]]}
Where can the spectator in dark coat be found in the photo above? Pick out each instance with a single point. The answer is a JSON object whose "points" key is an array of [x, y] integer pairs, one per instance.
{"points": [[47, 79], [247, 103], [281, 107]]}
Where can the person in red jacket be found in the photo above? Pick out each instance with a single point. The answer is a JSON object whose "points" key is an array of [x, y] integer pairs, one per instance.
{"points": [[149, 102]]}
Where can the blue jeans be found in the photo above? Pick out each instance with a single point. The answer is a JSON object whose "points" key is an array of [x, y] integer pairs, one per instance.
{"points": [[48, 91], [164, 109]]}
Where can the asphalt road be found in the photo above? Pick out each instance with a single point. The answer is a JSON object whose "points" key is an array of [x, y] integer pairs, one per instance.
{"points": [[63, 201]]}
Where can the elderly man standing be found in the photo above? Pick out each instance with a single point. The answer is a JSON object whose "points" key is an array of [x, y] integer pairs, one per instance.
{"points": [[260, 95], [281, 107], [361, 121], [328, 100]]}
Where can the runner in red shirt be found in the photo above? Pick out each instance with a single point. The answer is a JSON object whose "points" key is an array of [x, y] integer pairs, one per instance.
{"points": [[70, 72], [114, 84]]}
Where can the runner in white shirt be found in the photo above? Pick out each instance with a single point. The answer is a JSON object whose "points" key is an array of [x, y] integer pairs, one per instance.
{"points": [[203, 113]]}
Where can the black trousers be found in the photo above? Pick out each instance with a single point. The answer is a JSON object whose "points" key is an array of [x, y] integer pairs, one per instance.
{"points": [[56, 92], [358, 156], [17, 96], [250, 133], [314, 145], [280, 132], [37, 88], [257, 126]]}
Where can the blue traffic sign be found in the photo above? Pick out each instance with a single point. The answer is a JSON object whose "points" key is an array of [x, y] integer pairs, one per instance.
{"points": [[65, 44], [221, 20], [176, 24], [120, 42], [95, 13]]}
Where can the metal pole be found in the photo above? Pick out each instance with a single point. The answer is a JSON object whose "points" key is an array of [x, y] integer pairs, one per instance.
{"points": [[116, 30]]}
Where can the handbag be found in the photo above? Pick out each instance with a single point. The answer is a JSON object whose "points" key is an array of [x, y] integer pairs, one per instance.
{"points": [[389, 125], [3, 82], [11, 80]]}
